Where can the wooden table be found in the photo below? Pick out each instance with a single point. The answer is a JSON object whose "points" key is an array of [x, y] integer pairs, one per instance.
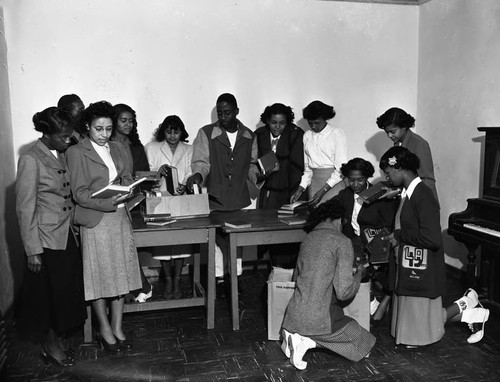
{"points": [[199, 230], [266, 229]]}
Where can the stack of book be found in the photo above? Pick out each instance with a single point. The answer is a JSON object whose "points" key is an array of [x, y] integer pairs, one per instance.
{"points": [[292, 208], [158, 219], [238, 224]]}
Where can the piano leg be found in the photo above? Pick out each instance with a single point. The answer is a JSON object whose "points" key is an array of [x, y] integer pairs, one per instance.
{"points": [[471, 266]]}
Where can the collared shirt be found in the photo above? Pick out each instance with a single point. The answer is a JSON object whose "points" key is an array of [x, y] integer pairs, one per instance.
{"points": [[358, 203], [409, 191], [274, 142], [105, 154], [326, 149]]}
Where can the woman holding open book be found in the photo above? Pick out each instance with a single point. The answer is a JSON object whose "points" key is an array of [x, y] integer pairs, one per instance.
{"points": [[110, 264], [170, 155]]}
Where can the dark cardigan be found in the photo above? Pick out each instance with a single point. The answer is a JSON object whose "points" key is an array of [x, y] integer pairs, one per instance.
{"points": [[280, 185], [420, 227], [377, 214]]}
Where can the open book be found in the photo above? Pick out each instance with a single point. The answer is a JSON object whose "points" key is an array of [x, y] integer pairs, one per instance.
{"points": [[114, 189]]}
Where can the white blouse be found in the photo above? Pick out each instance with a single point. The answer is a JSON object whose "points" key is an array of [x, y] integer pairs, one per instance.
{"points": [[160, 153], [326, 149]]}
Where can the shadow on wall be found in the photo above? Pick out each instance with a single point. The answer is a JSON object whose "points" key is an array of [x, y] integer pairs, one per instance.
{"points": [[14, 243], [377, 145]]}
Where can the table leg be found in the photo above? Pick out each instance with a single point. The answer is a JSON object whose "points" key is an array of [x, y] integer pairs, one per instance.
{"points": [[211, 279], [196, 273], [233, 254]]}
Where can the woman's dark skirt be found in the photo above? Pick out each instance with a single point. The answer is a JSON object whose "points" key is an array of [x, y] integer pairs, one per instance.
{"points": [[53, 298]]}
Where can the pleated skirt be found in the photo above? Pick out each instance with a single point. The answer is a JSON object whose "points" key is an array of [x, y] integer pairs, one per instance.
{"points": [[318, 181], [53, 298], [417, 321], [110, 262], [351, 341]]}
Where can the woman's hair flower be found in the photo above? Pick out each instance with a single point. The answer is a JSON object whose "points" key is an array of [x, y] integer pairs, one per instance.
{"points": [[392, 161]]}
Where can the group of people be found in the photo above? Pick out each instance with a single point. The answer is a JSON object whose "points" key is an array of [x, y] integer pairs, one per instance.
{"points": [[80, 248]]}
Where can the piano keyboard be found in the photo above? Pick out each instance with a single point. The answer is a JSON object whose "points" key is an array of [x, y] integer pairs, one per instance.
{"points": [[485, 230]]}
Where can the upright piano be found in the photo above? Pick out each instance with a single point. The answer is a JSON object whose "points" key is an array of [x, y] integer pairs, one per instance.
{"points": [[479, 224]]}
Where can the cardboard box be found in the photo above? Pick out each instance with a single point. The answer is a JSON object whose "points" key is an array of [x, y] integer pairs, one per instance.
{"points": [[280, 288], [178, 206], [359, 308]]}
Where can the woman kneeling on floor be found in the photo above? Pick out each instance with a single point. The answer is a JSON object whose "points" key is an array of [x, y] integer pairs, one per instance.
{"points": [[324, 274]]}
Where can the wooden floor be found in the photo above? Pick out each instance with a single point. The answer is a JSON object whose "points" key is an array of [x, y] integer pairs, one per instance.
{"points": [[175, 346]]}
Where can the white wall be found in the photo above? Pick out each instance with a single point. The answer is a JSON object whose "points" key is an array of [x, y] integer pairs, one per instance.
{"points": [[175, 57], [458, 90]]}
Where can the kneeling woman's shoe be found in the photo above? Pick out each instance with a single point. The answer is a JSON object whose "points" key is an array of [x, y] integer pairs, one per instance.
{"points": [[110, 348], [476, 316], [49, 358], [284, 345]]}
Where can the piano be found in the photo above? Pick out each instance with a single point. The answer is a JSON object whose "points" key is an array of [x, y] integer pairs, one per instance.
{"points": [[479, 224]]}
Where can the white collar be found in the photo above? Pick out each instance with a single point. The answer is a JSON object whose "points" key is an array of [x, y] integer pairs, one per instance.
{"points": [[409, 191]]}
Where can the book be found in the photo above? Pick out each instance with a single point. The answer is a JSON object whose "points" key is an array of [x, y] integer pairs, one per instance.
{"points": [[134, 201], [151, 176], [161, 224], [293, 221], [377, 248], [115, 189], [170, 174], [374, 192], [285, 212], [157, 218], [269, 162], [293, 206], [238, 224]]}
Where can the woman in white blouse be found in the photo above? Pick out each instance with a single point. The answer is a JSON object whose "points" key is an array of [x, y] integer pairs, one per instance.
{"points": [[170, 149], [325, 151]]}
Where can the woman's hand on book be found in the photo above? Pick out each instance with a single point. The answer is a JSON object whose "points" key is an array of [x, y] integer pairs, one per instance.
{"points": [[181, 189], [390, 193], [296, 195]]}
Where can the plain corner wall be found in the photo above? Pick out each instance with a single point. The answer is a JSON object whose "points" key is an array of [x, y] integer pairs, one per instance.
{"points": [[11, 252], [458, 91]]}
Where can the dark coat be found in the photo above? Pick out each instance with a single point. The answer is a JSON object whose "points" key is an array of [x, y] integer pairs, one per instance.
{"points": [[420, 227], [224, 170], [377, 214], [280, 185]]}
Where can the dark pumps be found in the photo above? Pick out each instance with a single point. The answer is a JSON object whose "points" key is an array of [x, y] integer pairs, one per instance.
{"points": [[49, 358], [116, 348], [124, 345], [106, 346]]}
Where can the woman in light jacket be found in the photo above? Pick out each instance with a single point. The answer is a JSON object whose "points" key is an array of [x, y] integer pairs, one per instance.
{"points": [[52, 303]]}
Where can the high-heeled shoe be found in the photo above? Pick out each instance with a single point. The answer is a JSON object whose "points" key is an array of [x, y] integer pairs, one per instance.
{"points": [[476, 316], [49, 358], [105, 345], [124, 345]]}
